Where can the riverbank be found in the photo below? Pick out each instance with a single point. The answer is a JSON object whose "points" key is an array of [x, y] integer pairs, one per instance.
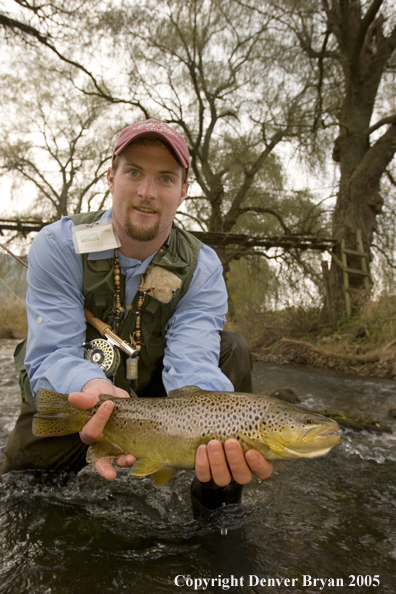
{"points": [[316, 353], [363, 344]]}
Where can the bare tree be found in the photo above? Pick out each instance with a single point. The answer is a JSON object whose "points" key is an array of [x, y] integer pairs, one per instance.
{"points": [[58, 146]]}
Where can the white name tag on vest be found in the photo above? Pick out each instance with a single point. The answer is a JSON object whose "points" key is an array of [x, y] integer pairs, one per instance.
{"points": [[95, 237]]}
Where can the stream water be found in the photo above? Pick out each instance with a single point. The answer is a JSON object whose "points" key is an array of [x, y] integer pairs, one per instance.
{"points": [[325, 525]]}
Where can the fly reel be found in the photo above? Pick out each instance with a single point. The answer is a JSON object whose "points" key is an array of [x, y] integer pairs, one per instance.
{"points": [[100, 352]]}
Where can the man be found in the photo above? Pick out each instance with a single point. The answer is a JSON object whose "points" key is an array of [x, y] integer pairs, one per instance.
{"points": [[178, 335]]}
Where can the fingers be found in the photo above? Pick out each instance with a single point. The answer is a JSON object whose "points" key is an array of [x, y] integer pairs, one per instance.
{"points": [[210, 463], [99, 386], [107, 471], [105, 468], [261, 467], [120, 393], [83, 401], [125, 461], [94, 428], [240, 470], [223, 465], [89, 395]]}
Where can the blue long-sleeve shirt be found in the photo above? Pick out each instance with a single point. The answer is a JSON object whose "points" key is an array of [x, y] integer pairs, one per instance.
{"points": [[57, 326]]}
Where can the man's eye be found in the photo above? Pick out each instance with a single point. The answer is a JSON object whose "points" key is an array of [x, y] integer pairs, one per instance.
{"points": [[134, 172], [166, 179]]}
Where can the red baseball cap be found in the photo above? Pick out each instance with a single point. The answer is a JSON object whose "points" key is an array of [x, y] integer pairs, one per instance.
{"points": [[155, 129]]}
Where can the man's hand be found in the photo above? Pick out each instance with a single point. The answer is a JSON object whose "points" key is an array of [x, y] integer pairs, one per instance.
{"points": [[87, 398], [211, 463]]}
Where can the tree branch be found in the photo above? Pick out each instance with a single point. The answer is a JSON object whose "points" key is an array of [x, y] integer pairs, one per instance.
{"points": [[391, 119], [232, 216], [261, 210], [365, 23], [378, 157]]}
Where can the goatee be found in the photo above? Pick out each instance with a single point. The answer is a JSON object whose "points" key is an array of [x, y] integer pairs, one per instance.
{"points": [[141, 233]]}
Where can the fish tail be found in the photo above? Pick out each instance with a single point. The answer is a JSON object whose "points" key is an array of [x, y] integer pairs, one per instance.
{"points": [[56, 416]]}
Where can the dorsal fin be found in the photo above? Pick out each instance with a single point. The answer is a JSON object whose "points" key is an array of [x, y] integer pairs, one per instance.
{"points": [[186, 391]]}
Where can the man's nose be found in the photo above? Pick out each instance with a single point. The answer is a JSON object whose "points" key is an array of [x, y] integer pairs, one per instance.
{"points": [[147, 188]]}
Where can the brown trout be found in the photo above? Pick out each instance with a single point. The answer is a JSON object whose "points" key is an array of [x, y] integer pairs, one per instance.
{"points": [[164, 433]]}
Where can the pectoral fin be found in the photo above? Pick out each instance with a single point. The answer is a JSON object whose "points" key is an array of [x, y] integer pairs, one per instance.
{"points": [[260, 447], [103, 448]]}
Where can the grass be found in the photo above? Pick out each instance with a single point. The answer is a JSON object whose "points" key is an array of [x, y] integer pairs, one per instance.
{"points": [[13, 321]]}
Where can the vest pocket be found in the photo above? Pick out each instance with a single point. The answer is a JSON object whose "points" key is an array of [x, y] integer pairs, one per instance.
{"points": [[154, 347]]}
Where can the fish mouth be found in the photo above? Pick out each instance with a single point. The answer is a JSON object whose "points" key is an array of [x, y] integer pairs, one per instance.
{"points": [[318, 441], [323, 431], [318, 446]]}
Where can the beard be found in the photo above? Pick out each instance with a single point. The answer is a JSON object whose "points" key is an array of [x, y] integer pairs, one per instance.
{"points": [[141, 233]]}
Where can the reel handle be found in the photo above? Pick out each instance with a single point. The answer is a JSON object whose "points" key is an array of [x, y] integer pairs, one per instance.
{"points": [[100, 326]]}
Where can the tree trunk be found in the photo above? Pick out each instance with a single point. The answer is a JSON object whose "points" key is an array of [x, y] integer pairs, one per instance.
{"points": [[364, 54]]}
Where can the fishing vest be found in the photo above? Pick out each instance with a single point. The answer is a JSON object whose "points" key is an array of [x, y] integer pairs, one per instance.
{"points": [[178, 258]]}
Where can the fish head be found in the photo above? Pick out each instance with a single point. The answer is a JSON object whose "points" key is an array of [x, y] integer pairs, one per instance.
{"points": [[290, 431]]}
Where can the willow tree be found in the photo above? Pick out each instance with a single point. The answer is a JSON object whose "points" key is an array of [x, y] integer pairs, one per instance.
{"points": [[55, 144], [211, 68], [350, 47], [53, 28]]}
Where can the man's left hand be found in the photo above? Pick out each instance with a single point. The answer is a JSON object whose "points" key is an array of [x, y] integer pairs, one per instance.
{"points": [[224, 465], [87, 398]]}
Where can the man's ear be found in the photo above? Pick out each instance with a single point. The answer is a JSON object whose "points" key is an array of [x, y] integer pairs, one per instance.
{"points": [[110, 178], [184, 193]]}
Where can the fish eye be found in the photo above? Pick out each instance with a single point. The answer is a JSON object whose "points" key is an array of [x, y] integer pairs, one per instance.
{"points": [[308, 421]]}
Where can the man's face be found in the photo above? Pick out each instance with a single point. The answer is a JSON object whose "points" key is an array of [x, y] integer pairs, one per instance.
{"points": [[147, 189]]}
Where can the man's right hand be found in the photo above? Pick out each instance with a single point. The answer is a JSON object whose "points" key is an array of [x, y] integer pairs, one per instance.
{"points": [[88, 398]]}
